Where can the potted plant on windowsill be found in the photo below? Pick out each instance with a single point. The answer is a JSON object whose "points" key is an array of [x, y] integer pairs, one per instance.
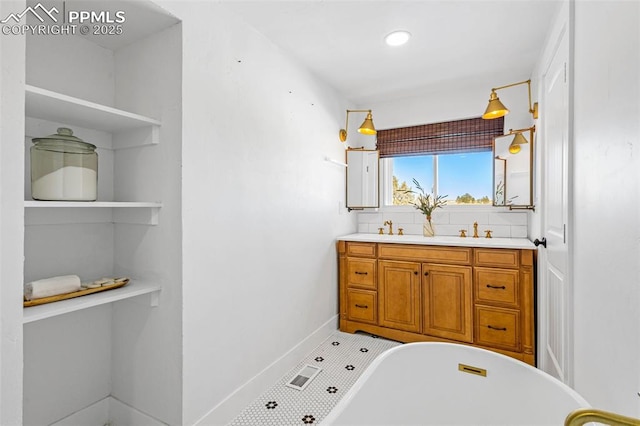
{"points": [[427, 203]]}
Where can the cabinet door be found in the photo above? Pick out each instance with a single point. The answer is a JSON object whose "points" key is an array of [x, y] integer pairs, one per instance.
{"points": [[399, 295], [447, 302]]}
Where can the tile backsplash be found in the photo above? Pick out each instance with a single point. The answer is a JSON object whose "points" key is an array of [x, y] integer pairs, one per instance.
{"points": [[448, 222]]}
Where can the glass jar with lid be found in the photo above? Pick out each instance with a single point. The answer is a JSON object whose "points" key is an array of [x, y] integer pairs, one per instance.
{"points": [[63, 168]]}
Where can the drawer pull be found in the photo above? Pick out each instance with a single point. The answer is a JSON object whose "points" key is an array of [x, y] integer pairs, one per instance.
{"points": [[361, 273], [501, 287], [367, 307], [497, 328]]}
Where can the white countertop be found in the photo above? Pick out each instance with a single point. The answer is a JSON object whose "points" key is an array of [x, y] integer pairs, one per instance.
{"points": [[512, 243]]}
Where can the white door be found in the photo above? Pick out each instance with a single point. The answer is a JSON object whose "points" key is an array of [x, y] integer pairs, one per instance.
{"points": [[555, 294]]}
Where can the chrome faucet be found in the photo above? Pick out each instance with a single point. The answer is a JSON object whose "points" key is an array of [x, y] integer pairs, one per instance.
{"points": [[388, 222]]}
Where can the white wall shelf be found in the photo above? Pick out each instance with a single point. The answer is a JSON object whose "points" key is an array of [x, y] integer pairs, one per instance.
{"points": [[90, 204], [133, 289], [75, 212], [53, 106], [129, 129]]}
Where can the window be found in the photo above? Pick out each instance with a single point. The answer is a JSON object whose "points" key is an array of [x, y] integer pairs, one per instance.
{"points": [[452, 158], [466, 178]]}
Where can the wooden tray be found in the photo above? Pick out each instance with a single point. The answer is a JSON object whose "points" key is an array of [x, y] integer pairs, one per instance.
{"points": [[122, 282]]}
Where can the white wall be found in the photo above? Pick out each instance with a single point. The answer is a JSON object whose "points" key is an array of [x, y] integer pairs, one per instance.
{"points": [[11, 220], [606, 204], [454, 102], [260, 204]]}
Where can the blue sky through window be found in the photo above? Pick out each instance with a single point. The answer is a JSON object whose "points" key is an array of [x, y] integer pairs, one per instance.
{"points": [[457, 173]]}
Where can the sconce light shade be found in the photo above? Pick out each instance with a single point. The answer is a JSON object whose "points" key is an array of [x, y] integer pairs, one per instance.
{"points": [[518, 140], [367, 127], [495, 109]]}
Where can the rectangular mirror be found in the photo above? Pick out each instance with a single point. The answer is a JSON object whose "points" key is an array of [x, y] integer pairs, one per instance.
{"points": [[513, 169], [362, 178]]}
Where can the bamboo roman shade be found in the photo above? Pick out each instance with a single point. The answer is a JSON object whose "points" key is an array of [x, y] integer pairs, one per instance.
{"points": [[469, 135]]}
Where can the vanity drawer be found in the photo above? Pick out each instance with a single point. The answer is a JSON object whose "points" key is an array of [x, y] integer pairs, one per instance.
{"points": [[427, 254], [499, 258], [361, 249], [498, 328], [497, 286], [361, 273], [362, 305]]}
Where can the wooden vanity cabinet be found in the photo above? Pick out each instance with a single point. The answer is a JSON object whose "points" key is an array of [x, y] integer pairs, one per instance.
{"points": [[409, 293]]}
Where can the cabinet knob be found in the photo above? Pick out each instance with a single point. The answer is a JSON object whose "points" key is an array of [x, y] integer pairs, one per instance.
{"points": [[426, 274], [415, 272]]}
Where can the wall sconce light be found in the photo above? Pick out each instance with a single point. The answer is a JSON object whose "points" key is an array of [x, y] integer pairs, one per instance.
{"points": [[518, 139], [366, 128], [496, 109]]}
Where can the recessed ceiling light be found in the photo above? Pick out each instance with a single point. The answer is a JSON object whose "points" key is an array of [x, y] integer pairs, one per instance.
{"points": [[397, 38]]}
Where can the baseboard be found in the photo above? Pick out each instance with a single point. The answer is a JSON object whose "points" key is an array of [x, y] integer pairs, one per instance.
{"points": [[96, 414], [121, 414], [108, 411], [230, 407]]}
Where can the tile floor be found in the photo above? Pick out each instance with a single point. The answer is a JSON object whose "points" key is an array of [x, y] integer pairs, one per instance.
{"points": [[342, 357]]}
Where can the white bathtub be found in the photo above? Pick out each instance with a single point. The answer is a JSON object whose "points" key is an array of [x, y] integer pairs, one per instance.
{"points": [[421, 384]]}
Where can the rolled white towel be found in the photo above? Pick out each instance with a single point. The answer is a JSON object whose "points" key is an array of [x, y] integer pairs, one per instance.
{"points": [[51, 287]]}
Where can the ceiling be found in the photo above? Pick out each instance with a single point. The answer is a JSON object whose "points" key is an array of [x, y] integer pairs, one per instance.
{"points": [[453, 41]]}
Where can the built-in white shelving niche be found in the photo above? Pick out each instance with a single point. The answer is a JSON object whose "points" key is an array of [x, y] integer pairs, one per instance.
{"points": [[133, 289], [123, 95]]}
